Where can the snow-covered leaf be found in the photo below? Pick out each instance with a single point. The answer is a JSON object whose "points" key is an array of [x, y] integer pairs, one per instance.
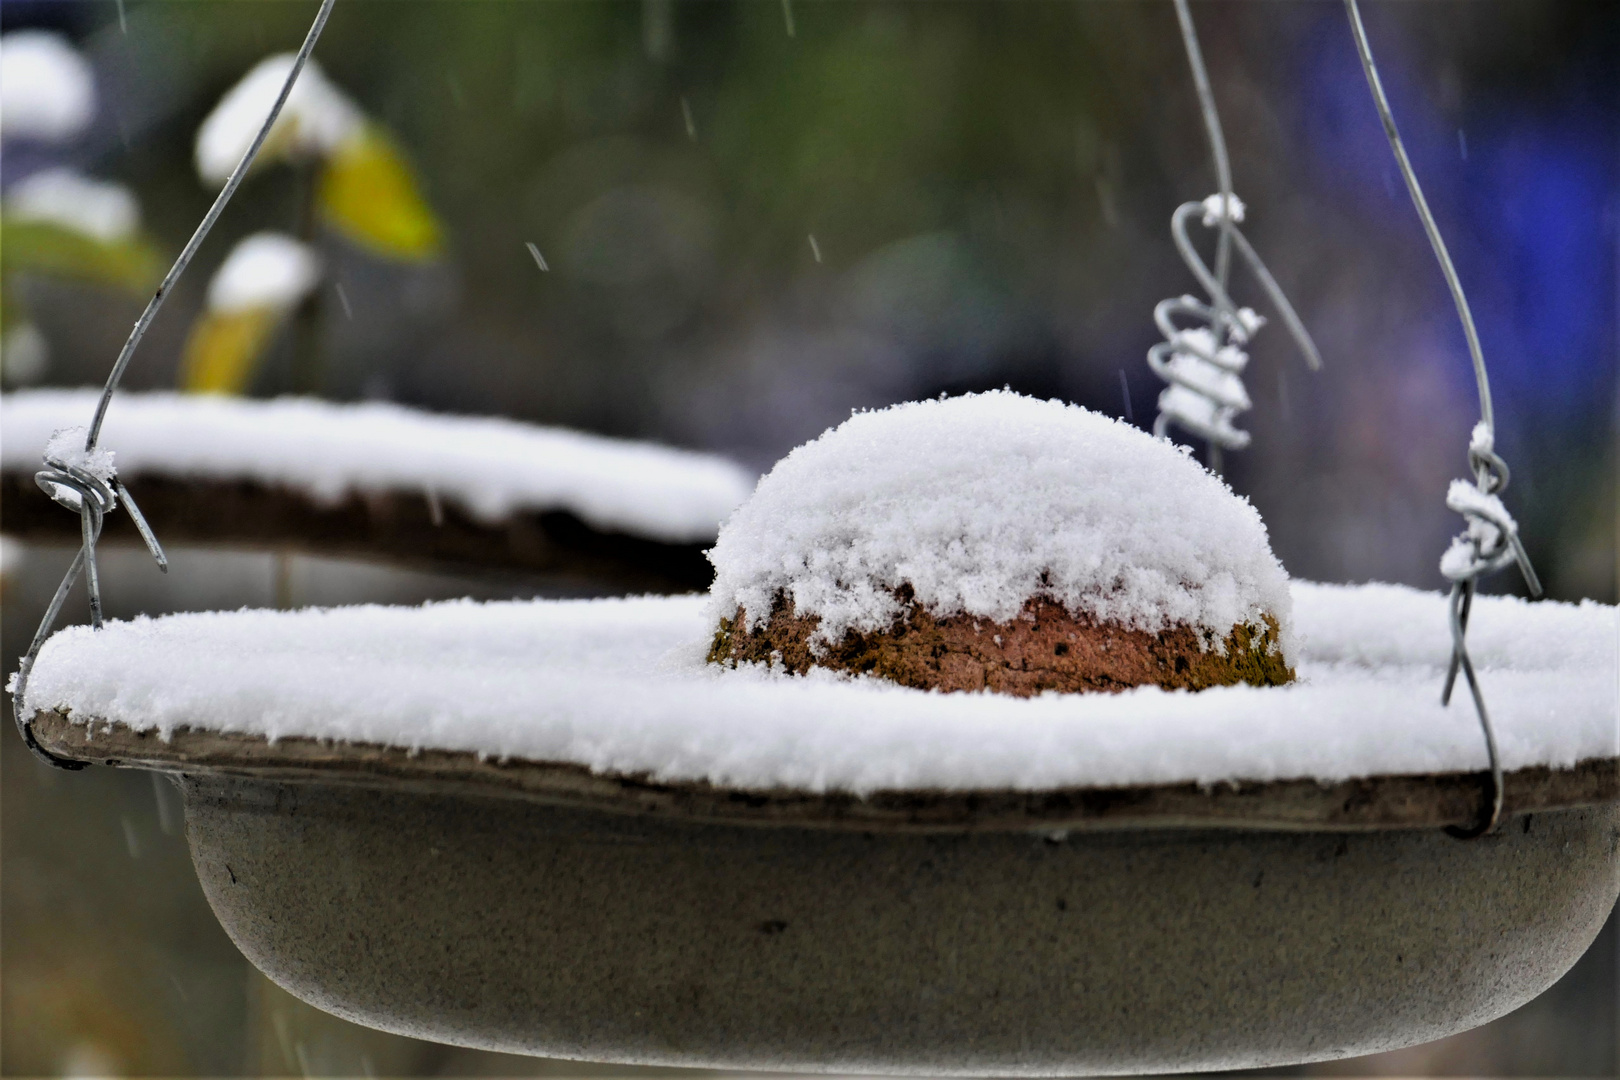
{"points": [[47, 90]]}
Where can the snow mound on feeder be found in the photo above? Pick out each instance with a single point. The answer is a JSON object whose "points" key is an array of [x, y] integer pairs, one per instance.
{"points": [[492, 468], [981, 502]]}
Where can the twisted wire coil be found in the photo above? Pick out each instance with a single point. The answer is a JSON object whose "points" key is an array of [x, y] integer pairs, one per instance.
{"points": [[1488, 543], [92, 496], [1201, 358]]}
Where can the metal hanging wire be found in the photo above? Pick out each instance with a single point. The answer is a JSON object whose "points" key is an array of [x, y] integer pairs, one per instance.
{"points": [[1490, 542], [1201, 358], [84, 480]]}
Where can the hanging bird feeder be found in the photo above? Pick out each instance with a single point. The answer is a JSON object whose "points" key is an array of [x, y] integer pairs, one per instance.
{"points": [[590, 830], [521, 827]]}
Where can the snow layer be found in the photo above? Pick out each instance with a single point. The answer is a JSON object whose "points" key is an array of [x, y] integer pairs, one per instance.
{"points": [[66, 446], [490, 467], [983, 501], [620, 686], [1215, 205], [99, 209], [265, 270], [316, 118], [47, 90]]}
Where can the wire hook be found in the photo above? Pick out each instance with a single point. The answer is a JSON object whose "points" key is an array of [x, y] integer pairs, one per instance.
{"points": [[1491, 540], [1202, 362], [74, 480]]}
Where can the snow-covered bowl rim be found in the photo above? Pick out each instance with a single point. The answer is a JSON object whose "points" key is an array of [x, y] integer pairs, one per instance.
{"points": [[609, 703]]}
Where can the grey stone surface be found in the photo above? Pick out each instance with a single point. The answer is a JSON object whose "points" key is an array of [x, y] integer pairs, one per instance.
{"points": [[519, 925]]}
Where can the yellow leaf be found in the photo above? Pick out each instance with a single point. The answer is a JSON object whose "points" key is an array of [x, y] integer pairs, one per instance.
{"points": [[41, 247], [224, 350], [368, 194]]}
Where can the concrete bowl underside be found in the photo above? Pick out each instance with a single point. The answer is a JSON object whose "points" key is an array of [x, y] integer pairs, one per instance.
{"points": [[515, 925], [543, 915]]}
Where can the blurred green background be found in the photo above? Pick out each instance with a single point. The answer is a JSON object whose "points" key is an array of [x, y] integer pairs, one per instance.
{"points": [[756, 217]]}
